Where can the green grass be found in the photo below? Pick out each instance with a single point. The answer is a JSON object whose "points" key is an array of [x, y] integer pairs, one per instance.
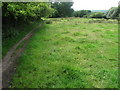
{"points": [[22, 31], [70, 53]]}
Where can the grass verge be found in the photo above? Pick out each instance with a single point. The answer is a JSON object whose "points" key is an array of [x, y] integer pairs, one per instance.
{"points": [[22, 31]]}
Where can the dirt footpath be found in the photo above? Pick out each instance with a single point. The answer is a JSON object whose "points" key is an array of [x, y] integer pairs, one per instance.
{"points": [[10, 61]]}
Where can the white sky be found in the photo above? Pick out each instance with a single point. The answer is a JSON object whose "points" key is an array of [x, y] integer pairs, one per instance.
{"points": [[94, 4]]}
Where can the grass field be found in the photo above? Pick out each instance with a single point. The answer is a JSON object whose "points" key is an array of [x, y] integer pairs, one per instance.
{"points": [[70, 53]]}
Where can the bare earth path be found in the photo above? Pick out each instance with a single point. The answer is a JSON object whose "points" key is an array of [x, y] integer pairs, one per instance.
{"points": [[9, 62]]}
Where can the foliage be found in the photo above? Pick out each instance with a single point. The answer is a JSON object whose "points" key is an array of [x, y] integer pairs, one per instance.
{"points": [[26, 11], [81, 13], [63, 9], [113, 12], [15, 34], [19, 13], [97, 15]]}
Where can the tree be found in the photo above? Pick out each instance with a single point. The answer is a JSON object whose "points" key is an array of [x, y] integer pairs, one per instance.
{"points": [[26, 11], [119, 11], [113, 13], [15, 14], [81, 13], [63, 9]]}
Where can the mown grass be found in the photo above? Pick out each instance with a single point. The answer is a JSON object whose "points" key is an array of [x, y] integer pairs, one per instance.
{"points": [[70, 53]]}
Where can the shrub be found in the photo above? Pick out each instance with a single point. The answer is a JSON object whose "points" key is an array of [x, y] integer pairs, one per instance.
{"points": [[97, 15], [48, 22], [81, 13]]}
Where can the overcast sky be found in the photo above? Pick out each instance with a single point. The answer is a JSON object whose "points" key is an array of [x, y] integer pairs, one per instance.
{"points": [[94, 4]]}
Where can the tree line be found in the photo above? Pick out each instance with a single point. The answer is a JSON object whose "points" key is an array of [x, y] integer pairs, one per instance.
{"points": [[112, 13], [31, 11]]}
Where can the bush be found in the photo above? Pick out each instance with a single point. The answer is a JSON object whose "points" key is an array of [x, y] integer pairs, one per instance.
{"points": [[16, 14], [97, 15], [48, 22], [81, 13]]}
